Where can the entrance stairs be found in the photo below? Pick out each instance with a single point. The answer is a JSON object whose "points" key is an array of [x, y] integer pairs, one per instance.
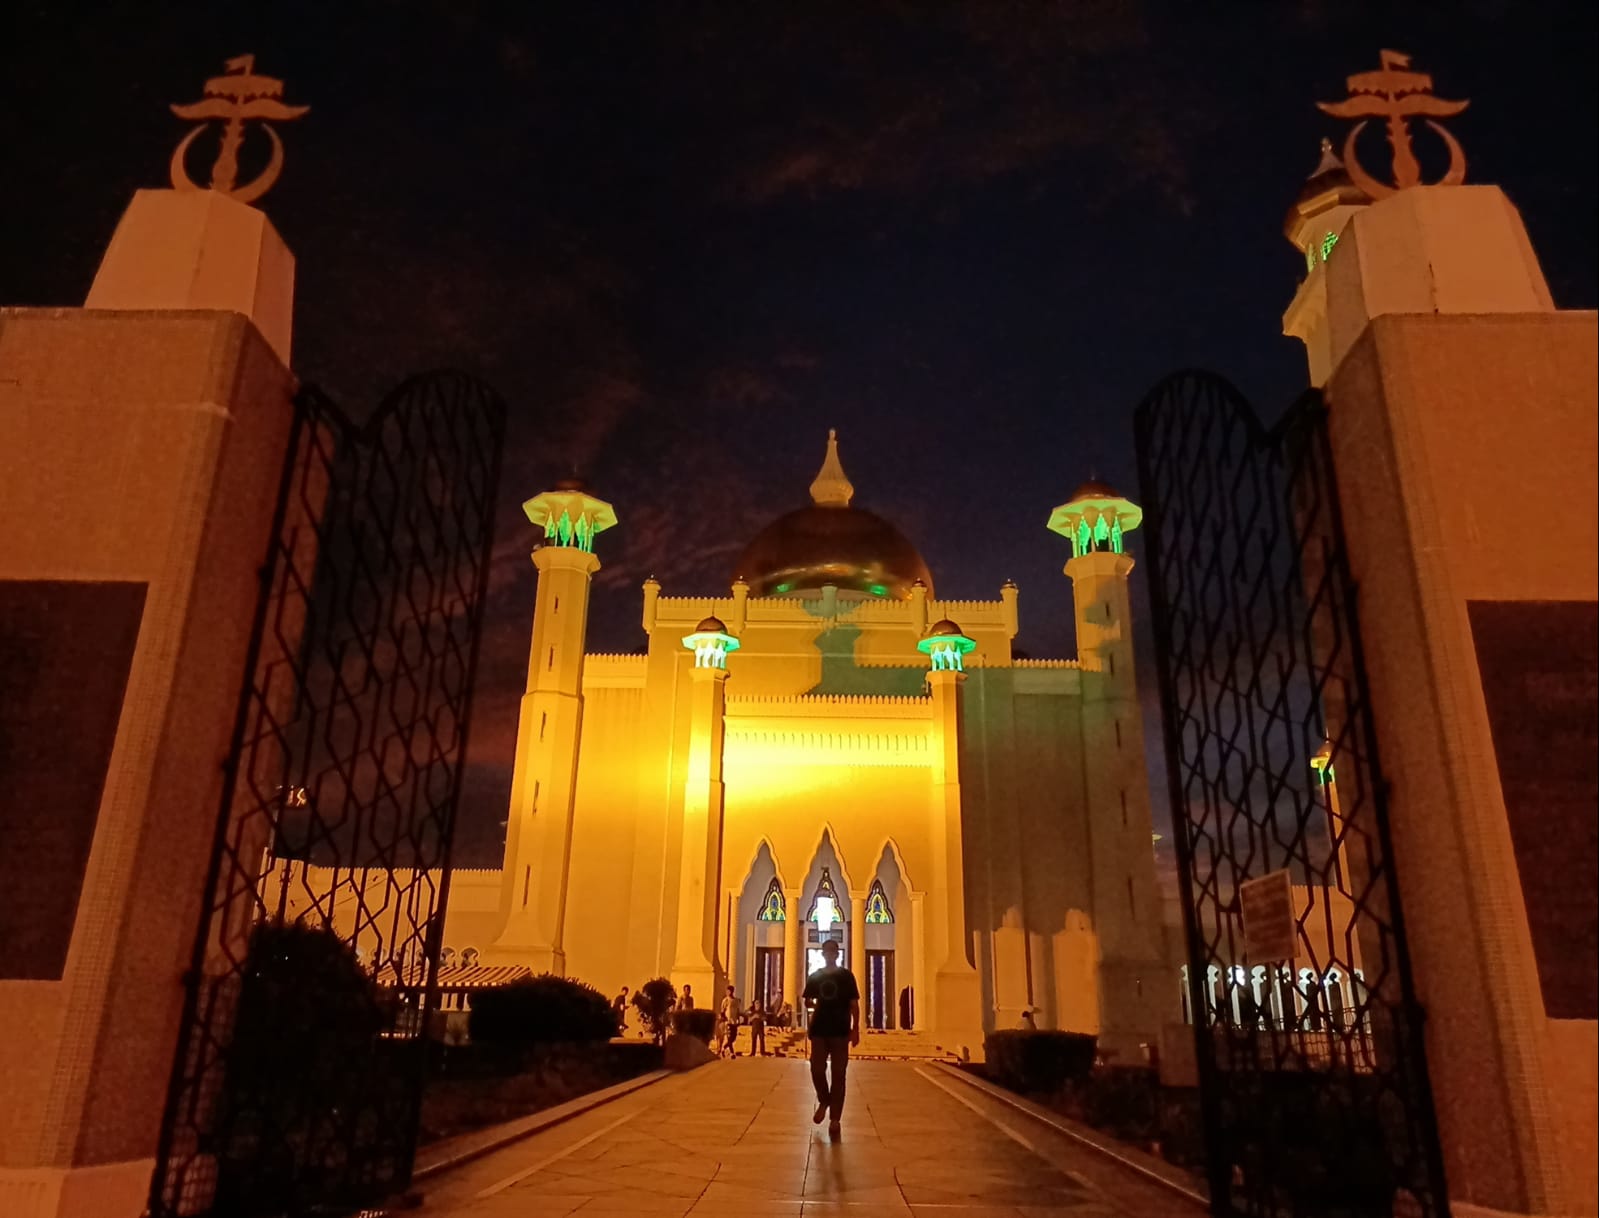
{"points": [[889, 1045]]}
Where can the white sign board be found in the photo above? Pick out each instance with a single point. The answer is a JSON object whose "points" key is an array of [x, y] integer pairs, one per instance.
{"points": [[1267, 905]]}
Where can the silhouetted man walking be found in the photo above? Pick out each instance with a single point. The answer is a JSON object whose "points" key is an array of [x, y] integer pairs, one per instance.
{"points": [[835, 1024]]}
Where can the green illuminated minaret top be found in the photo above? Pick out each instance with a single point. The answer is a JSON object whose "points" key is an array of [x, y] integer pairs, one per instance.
{"points": [[569, 515], [1096, 518]]}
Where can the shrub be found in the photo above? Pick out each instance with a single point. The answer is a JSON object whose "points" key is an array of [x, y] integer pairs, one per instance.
{"points": [[699, 1024], [1028, 1061], [304, 1065], [654, 1001], [540, 1010]]}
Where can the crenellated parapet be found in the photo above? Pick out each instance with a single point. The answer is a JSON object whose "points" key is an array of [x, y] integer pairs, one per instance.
{"points": [[614, 670], [829, 706]]}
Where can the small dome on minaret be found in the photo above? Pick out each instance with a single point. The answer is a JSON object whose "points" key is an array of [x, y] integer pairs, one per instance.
{"points": [[1096, 517], [1328, 189]]}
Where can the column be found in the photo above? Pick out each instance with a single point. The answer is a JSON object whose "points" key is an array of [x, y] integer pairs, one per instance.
{"points": [[699, 876], [919, 992], [793, 949], [857, 943], [955, 1011]]}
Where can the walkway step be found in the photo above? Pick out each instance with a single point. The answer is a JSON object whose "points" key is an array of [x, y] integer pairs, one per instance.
{"points": [[449, 1153]]}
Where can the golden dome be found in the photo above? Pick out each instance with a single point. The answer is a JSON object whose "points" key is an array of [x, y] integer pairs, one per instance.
{"points": [[943, 629], [711, 625], [831, 543]]}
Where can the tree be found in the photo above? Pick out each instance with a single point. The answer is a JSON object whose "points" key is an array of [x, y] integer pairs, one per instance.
{"points": [[655, 1000], [540, 1010]]}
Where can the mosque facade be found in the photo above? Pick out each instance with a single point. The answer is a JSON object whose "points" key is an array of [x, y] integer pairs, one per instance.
{"points": [[829, 751]]}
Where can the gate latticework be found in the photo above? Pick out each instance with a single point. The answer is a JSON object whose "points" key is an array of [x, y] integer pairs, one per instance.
{"points": [[1312, 1071], [297, 1081]]}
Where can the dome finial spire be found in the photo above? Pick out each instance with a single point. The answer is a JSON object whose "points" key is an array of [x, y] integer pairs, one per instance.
{"points": [[831, 487]]}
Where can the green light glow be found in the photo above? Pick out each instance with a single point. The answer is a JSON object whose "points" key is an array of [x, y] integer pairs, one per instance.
{"points": [[1310, 257], [1084, 541], [878, 590], [947, 651], [564, 531], [710, 648], [1327, 243]]}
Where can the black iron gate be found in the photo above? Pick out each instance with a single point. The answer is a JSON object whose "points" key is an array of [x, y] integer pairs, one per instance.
{"points": [[297, 1080], [1312, 1072]]}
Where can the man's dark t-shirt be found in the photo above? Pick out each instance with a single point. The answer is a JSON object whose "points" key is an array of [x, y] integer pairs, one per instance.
{"points": [[832, 989]]}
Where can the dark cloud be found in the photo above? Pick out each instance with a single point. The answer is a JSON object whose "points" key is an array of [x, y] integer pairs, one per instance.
{"points": [[683, 239]]}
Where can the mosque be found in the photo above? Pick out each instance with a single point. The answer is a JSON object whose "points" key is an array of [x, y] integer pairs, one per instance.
{"points": [[829, 751]]}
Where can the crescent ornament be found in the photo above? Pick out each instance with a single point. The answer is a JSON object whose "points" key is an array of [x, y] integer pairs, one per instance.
{"points": [[1396, 94], [237, 97]]}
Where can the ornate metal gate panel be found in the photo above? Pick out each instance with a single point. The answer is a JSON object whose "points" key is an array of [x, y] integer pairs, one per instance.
{"points": [[297, 1080], [1312, 1072]]}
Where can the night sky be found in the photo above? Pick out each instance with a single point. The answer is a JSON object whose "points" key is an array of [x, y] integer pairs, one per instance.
{"points": [[682, 240]]}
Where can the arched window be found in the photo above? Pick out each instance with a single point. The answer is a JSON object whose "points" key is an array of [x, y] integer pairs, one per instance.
{"points": [[772, 905], [1287, 1007], [1310, 1001], [878, 912], [469, 958], [446, 956], [1334, 984], [825, 911]]}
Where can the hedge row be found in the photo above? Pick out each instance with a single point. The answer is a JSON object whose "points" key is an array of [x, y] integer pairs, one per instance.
{"points": [[539, 1011], [698, 1024], [1041, 1061]]}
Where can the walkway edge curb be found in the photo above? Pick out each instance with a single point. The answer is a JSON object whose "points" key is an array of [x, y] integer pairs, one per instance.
{"points": [[500, 1136], [1156, 1170]]}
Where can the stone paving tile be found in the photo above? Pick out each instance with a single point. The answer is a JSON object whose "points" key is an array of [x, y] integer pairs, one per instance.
{"points": [[736, 1139]]}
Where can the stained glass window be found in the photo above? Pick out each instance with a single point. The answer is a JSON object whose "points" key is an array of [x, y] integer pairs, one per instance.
{"points": [[878, 912], [772, 909], [825, 903]]}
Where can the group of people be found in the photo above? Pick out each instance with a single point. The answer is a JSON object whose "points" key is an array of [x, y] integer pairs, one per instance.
{"points": [[833, 1000], [728, 1019]]}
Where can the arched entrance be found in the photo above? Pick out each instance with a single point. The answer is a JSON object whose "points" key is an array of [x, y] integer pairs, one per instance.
{"points": [[888, 997], [756, 970]]}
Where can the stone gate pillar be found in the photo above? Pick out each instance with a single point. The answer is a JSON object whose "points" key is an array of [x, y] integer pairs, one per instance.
{"points": [[141, 447]]}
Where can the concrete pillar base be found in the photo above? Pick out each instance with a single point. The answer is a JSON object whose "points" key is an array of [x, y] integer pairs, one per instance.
{"points": [[111, 1190], [540, 957], [957, 1011]]}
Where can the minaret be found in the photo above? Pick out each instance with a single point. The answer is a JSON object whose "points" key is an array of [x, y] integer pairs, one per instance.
{"points": [[1314, 223], [695, 960], [957, 995], [538, 839], [1125, 906]]}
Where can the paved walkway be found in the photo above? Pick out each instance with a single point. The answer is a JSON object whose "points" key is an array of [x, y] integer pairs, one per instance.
{"points": [[735, 1139]]}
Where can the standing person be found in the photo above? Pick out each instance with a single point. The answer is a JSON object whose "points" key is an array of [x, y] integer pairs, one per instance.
{"points": [[757, 1028], [619, 1009], [686, 1002], [835, 1025], [1027, 1020], [729, 1014]]}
